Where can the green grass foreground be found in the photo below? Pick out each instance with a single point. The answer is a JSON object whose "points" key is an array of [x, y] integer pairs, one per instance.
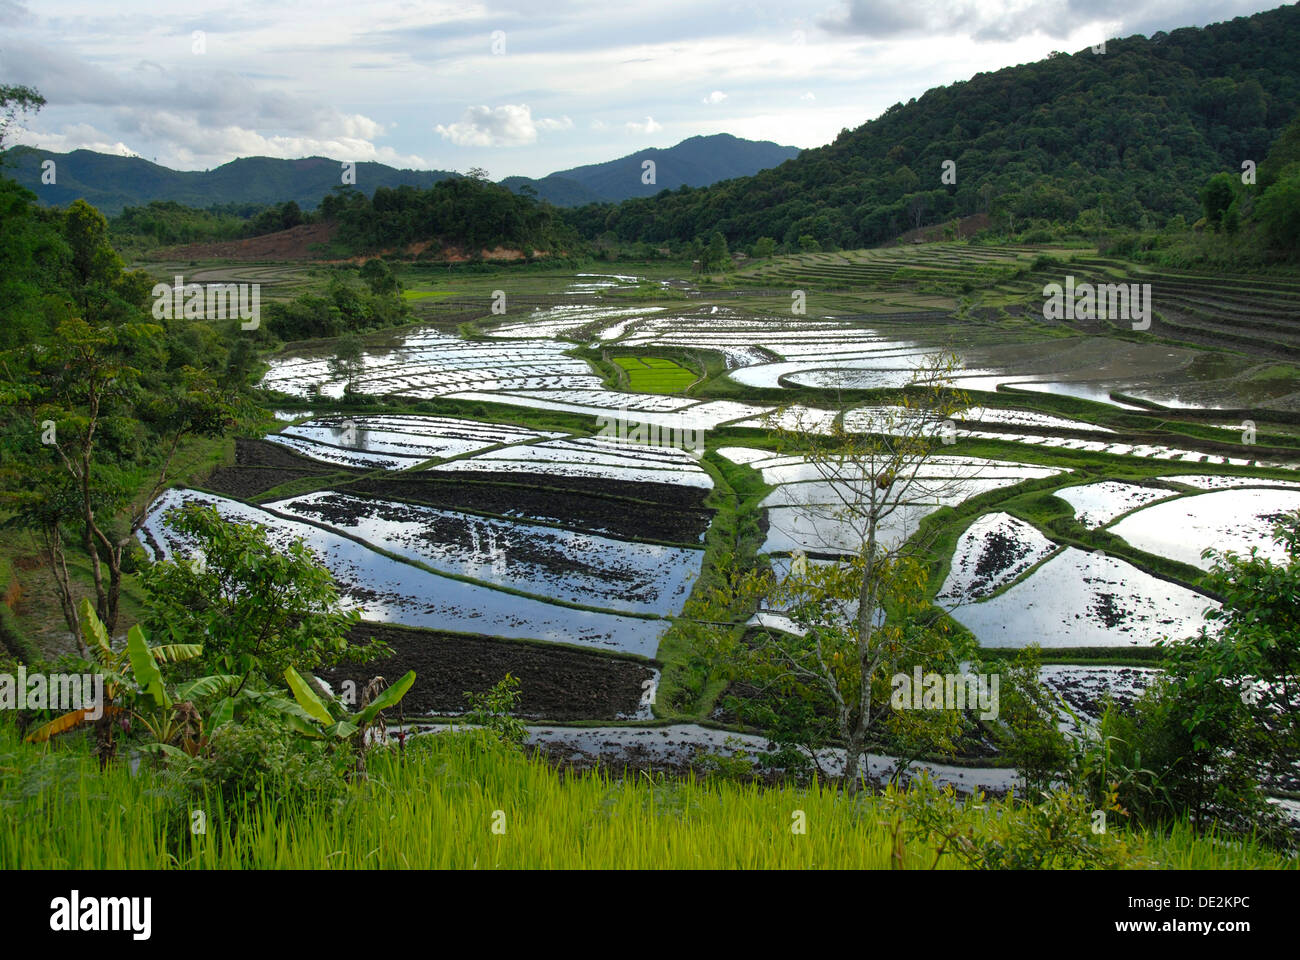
{"points": [[437, 806]]}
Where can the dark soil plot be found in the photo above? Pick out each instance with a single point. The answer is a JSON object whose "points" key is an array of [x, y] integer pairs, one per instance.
{"points": [[260, 453], [245, 483], [673, 495], [554, 683], [597, 512]]}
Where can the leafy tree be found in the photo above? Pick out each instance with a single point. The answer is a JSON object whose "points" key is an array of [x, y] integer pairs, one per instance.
{"points": [[1026, 728], [1279, 210], [1284, 152], [111, 444], [1222, 719], [1216, 197], [16, 99], [256, 609], [493, 710], [102, 396], [379, 276], [716, 256], [468, 212], [348, 360]]}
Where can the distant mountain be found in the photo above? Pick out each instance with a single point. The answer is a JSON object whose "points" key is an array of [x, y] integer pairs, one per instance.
{"points": [[112, 182], [696, 162]]}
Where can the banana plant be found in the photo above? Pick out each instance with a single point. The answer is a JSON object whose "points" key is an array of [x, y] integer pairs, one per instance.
{"points": [[178, 720], [320, 723], [115, 665]]}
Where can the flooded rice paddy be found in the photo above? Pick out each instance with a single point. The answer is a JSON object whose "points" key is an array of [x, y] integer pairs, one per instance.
{"points": [[445, 548]]}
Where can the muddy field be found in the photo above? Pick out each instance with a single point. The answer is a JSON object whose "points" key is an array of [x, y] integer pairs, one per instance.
{"points": [[244, 483], [555, 684], [262, 453], [614, 508]]}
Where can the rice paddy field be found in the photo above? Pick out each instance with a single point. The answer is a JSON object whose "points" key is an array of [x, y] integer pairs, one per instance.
{"points": [[655, 374], [543, 490]]}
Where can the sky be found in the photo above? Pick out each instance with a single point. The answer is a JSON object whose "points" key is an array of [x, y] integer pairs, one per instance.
{"points": [[525, 87]]}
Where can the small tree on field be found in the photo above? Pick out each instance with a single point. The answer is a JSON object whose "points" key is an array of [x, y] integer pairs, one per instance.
{"points": [[348, 361], [379, 276], [864, 618]]}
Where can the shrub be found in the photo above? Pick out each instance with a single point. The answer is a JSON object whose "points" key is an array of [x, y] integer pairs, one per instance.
{"points": [[1061, 831], [262, 760], [493, 709]]}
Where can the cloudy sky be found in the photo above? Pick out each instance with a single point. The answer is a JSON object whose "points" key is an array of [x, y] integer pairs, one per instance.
{"points": [[518, 87]]}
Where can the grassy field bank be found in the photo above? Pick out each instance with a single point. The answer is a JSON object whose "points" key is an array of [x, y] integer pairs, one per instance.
{"points": [[460, 801]]}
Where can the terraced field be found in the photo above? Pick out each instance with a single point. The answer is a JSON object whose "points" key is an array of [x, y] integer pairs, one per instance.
{"points": [[504, 496]]}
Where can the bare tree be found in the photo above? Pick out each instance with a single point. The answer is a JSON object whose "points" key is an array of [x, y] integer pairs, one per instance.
{"points": [[863, 618]]}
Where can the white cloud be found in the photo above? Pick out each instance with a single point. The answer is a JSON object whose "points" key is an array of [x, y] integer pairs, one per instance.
{"points": [[985, 21], [510, 125], [81, 136], [809, 96], [183, 142], [648, 127], [717, 96], [546, 123]]}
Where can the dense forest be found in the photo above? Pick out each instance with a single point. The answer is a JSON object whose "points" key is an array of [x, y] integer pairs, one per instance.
{"points": [[469, 212], [166, 222], [1123, 138]]}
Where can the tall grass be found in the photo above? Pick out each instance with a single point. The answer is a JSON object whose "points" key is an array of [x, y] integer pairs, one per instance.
{"points": [[437, 806]]}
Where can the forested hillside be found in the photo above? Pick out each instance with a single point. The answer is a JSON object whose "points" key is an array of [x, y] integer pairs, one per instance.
{"points": [[1120, 138], [113, 183]]}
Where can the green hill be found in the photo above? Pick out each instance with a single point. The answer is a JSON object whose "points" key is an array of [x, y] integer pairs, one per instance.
{"points": [[113, 183], [1124, 138]]}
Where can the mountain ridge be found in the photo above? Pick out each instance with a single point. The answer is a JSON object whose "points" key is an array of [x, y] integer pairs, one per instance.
{"points": [[112, 182], [698, 161]]}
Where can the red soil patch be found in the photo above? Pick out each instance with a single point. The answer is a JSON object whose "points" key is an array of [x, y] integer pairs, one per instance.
{"points": [[291, 244], [296, 243]]}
